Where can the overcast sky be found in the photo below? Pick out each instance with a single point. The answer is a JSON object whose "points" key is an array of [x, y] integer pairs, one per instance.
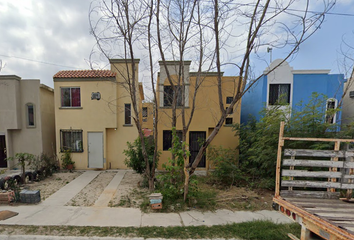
{"points": [[41, 37]]}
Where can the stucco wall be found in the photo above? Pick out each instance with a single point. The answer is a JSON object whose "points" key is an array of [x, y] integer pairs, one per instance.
{"points": [[47, 119], [303, 84], [29, 139], [10, 112], [92, 116], [206, 113]]}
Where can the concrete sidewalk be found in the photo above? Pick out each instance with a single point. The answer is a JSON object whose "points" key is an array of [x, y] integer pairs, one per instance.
{"points": [[41, 215], [53, 212]]}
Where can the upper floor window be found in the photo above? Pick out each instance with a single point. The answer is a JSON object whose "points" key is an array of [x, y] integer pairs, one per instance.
{"points": [[70, 97], [331, 110], [168, 95], [71, 140], [229, 100], [30, 114], [145, 112], [279, 94], [127, 114]]}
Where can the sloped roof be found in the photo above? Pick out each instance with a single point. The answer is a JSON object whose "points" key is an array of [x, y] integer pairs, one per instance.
{"points": [[84, 74]]}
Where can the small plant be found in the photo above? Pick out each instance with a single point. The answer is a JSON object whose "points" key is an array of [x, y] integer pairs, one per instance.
{"points": [[66, 160], [225, 164], [134, 155], [23, 159]]}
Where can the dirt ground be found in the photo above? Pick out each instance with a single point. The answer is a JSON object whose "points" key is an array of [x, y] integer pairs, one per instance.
{"points": [[130, 193], [88, 195], [53, 183]]}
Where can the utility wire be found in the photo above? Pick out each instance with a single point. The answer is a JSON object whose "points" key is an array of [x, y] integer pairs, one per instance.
{"points": [[42, 62]]}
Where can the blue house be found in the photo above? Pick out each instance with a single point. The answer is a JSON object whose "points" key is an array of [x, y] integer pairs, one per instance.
{"points": [[285, 84]]}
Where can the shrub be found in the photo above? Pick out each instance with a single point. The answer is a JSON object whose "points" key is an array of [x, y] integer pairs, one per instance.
{"points": [[134, 155], [225, 164]]}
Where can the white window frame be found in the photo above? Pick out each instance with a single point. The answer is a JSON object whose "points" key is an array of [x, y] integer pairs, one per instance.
{"points": [[335, 106]]}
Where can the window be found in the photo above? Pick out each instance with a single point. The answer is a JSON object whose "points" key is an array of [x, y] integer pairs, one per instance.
{"points": [[168, 95], [145, 112], [228, 121], [70, 97], [231, 111], [167, 139], [279, 94], [127, 114], [330, 110], [30, 115], [229, 100], [71, 140]]}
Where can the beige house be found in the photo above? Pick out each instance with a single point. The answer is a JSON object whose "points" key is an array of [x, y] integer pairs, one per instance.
{"points": [[93, 114], [26, 118], [206, 114]]}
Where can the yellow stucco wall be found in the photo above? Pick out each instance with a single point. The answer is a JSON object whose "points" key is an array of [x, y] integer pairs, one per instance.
{"points": [[106, 115], [47, 119], [206, 114], [92, 116]]}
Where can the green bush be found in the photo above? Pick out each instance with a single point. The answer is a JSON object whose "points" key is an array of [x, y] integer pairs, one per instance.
{"points": [[225, 164], [259, 139], [134, 155]]}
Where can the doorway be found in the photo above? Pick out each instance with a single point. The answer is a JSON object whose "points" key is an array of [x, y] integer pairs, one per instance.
{"points": [[3, 153], [95, 149], [196, 140]]}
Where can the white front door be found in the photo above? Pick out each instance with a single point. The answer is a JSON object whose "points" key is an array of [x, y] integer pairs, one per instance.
{"points": [[95, 149]]}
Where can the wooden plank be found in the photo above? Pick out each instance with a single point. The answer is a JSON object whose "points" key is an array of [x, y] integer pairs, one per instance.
{"points": [[305, 173], [314, 153], [279, 155], [314, 184], [348, 176], [311, 194], [348, 164], [318, 139], [347, 186], [312, 163]]}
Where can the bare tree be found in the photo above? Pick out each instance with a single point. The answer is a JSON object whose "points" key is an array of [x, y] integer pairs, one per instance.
{"points": [[123, 22], [216, 33]]}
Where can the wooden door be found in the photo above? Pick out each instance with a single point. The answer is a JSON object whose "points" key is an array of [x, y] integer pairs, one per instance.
{"points": [[3, 163], [196, 139]]}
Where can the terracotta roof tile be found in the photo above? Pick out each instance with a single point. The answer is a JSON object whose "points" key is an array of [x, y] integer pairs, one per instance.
{"points": [[84, 74]]}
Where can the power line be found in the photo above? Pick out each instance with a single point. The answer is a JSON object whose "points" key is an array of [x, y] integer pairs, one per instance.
{"points": [[42, 62]]}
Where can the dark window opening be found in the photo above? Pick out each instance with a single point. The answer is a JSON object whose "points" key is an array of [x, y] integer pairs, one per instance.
{"points": [[145, 112], [30, 115], [127, 113], [231, 111], [167, 139], [279, 94], [71, 140], [168, 95], [229, 100], [228, 121]]}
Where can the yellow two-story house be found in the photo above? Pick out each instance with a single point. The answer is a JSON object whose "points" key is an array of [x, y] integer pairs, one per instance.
{"points": [[93, 115], [206, 112]]}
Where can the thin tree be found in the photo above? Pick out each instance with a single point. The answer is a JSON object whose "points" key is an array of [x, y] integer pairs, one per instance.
{"points": [[124, 21]]}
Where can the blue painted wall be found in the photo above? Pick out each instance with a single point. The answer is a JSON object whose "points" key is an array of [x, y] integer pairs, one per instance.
{"points": [[303, 86], [254, 100]]}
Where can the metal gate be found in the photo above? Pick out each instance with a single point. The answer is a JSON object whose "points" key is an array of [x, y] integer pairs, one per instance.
{"points": [[196, 140]]}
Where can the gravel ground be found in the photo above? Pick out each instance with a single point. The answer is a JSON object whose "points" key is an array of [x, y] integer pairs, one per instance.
{"points": [[88, 195]]}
